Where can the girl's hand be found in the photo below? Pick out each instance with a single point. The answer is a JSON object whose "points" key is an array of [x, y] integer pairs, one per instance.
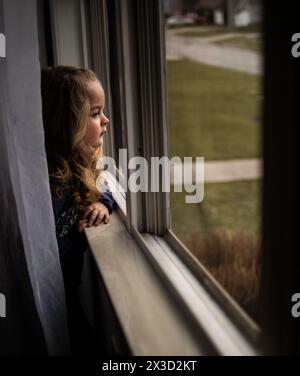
{"points": [[94, 214]]}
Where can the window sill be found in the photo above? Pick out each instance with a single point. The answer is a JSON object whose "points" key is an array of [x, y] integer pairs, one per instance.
{"points": [[153, 319]]}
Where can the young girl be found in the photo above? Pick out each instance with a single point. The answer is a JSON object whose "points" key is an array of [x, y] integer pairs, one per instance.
{"points": [[74, 124]]}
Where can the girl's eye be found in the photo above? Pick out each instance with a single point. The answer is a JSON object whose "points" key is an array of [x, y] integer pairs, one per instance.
{"points": [[96, 114]]}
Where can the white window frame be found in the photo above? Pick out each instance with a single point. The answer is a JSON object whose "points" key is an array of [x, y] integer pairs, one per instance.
{"points": [[150, 212]]}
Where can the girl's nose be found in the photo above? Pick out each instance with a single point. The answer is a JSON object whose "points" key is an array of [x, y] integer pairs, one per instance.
{"points": [[105, 120]]}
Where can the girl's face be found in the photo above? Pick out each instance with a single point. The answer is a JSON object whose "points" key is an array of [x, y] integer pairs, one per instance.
{"points": [[97, 121]]}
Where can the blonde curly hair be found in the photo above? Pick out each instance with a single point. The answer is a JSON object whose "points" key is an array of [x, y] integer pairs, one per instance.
{"points": [[66, 107]]}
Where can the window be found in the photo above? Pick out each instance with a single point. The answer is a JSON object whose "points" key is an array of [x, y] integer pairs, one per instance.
{"points": [[214, 92], [146, 99]]}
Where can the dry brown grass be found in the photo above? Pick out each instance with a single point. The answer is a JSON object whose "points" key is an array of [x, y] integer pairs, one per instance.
{"points": [[234, 260]]}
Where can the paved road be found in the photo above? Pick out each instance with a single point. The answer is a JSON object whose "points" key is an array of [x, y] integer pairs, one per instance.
{"points": [[202, 50]]}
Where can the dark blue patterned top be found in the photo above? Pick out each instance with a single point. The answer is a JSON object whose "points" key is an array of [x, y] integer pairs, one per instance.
{"points": [[71, 243]]}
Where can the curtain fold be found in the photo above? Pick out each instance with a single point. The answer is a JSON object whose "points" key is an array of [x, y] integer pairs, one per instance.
{"points": [[30, 273]]}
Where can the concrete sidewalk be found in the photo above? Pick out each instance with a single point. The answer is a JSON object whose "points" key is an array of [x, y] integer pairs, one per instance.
{"points": [[201, 50], [222, 172], [232, 170]]}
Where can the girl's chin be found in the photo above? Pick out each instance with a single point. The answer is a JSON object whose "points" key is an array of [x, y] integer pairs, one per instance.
{"points": [[98, 143]]}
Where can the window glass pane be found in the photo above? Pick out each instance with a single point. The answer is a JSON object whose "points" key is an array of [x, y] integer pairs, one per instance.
{"points": [[214, 89]]}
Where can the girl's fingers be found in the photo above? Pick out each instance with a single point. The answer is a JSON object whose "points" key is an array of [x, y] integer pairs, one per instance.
{"points": [[98, 220], [93, 216], [102, 217], [87, 212], [106, 217]]}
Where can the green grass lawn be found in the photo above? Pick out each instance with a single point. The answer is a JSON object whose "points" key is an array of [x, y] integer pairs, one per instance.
{"points": [[226, 206], [213, 112], [210, 31], [202, 31], [243, 43]]}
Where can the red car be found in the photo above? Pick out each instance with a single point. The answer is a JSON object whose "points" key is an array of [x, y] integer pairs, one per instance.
{"points": [[194, 18]]}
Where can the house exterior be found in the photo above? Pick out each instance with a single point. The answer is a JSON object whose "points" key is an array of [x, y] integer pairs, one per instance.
{"points": [[245, 12]]}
